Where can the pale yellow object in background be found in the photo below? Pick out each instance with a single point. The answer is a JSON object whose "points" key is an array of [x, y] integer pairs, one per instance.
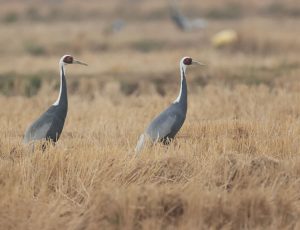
{"points": [[224, 38]]}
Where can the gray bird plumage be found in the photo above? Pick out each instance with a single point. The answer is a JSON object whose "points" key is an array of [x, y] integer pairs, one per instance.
{"points": [[166, 125], [50, 124], [182, 22]]}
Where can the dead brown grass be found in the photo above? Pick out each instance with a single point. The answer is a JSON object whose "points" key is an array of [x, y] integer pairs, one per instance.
{"points": [[234, 164]]}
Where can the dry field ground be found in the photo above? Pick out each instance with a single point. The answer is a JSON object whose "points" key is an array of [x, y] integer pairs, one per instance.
{"points": [[235, 164]]}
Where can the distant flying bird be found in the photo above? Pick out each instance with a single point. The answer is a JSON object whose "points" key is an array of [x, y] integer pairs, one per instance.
{"points": [[115, 27], [50, 124], [165, 126], [183, 22], [118, 25]]}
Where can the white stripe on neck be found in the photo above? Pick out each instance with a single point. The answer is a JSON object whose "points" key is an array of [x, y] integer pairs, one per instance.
{"points": [[182, 72], [62, 72]]}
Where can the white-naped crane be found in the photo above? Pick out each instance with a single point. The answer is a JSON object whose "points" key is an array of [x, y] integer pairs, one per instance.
{"points": [[50, 124], [166, 125]]}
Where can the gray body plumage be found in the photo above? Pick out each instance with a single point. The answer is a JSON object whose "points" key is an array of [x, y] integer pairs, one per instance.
{"points": [[166, 125], [50, 124]]}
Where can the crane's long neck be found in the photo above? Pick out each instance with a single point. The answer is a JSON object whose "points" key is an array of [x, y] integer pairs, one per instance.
{"points": [[182, 96], [62, 99]]}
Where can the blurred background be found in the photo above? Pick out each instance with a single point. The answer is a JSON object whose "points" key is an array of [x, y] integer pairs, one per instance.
{"points": [[133, 47]]}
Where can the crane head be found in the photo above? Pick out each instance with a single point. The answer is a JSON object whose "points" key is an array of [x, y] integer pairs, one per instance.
{"points": [[68, 59], [189, 61]]}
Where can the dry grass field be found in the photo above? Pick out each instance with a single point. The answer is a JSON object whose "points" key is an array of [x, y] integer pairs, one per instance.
{"points": [[235, 164]]}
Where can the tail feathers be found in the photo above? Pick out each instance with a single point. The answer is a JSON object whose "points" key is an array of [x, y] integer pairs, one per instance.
{"points": [[140, 144]]}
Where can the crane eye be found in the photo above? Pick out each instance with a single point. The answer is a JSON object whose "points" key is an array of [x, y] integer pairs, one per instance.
{"points": [[187, 61], [68, 59]]}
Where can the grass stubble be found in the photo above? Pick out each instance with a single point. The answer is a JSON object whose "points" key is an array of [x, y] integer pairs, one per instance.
{"points": [[234, 164]]}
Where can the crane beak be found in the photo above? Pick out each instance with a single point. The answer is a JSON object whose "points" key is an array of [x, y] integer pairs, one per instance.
{"points": [[198, 63], [79, 62]]}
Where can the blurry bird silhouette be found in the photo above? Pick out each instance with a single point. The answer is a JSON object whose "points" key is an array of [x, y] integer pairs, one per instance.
{"points": [[115, 26], [182, 22]]}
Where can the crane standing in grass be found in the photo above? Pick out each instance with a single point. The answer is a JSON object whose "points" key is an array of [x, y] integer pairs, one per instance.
{"points": [[165, 126], [50, 124]]}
